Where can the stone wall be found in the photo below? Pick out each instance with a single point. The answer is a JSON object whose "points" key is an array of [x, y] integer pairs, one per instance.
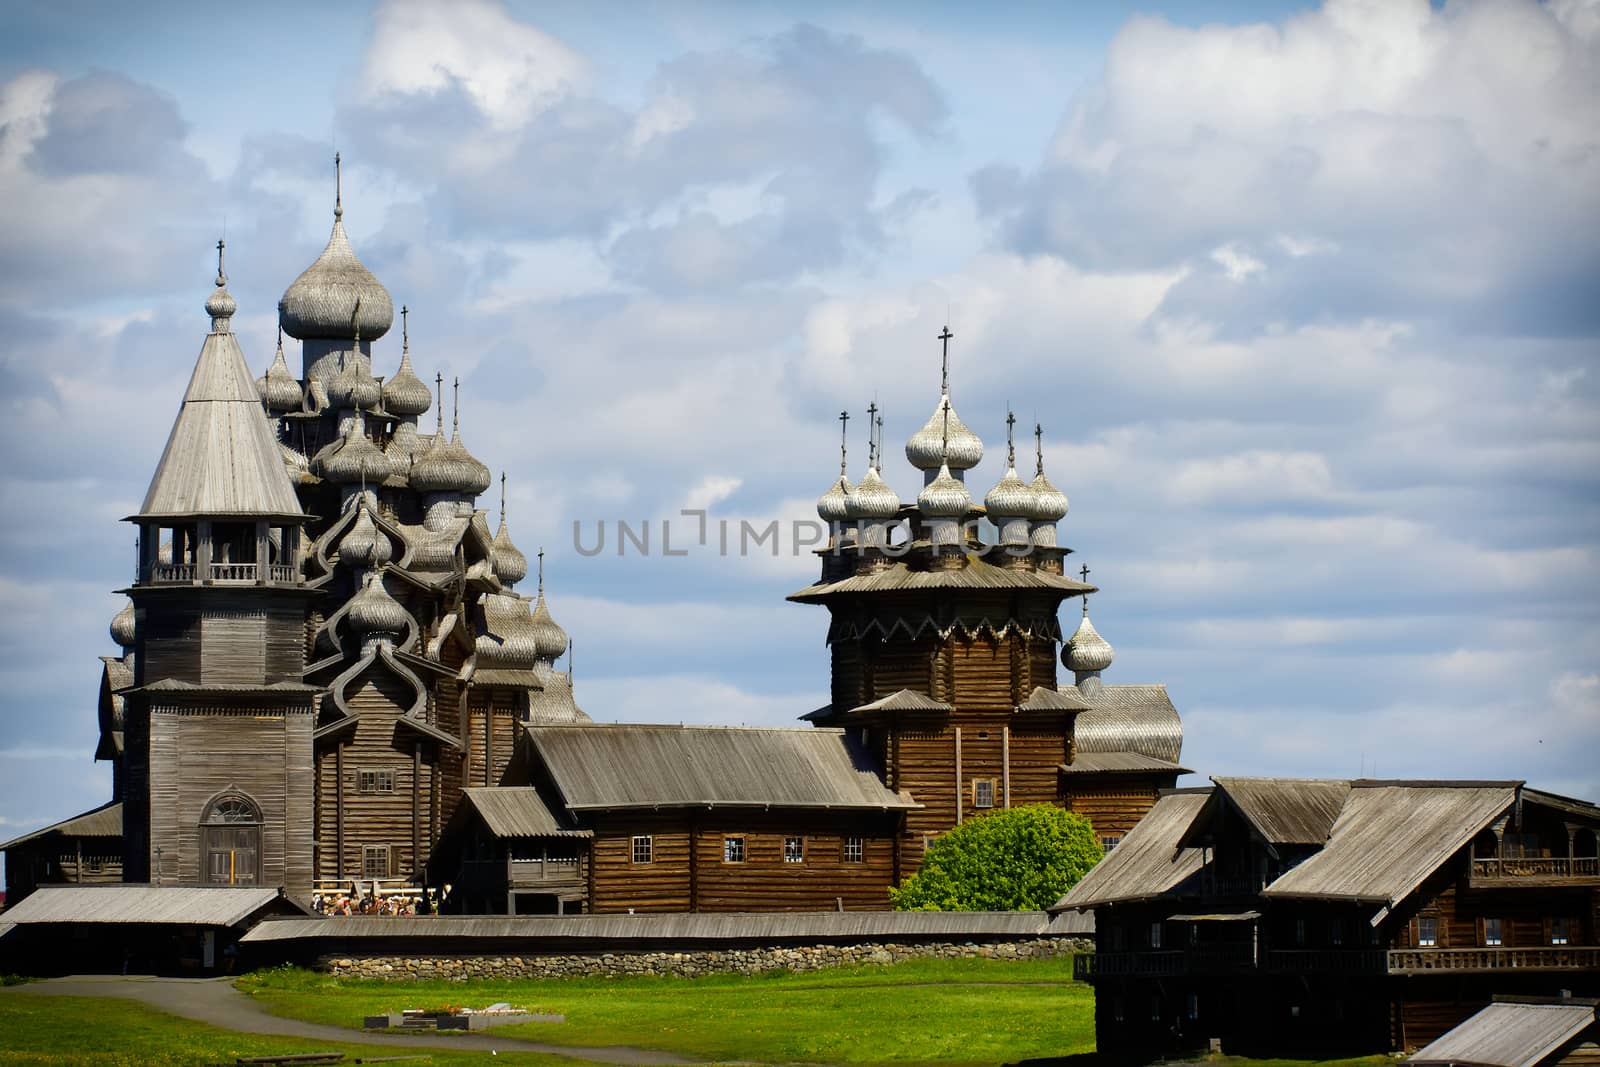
{"points": [[689, 963]]}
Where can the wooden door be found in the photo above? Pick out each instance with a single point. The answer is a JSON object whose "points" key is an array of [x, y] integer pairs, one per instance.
{"points": [[232, 855]]}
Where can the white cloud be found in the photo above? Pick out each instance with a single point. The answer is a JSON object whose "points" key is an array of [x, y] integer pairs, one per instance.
{"points": [[509, 69]]}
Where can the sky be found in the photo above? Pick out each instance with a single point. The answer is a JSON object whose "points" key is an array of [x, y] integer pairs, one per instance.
{"points": [[1306, 298]]}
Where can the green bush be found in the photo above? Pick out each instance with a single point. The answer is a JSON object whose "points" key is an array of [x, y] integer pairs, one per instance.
{"points": [[1021, 859]]}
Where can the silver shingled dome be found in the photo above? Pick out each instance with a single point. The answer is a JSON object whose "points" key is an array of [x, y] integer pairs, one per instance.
{"points": [[1086, 650], [944, 497], [926, 448]]}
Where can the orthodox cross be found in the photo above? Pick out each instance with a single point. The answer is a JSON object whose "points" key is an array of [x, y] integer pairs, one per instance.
{"points": [[1038, 449], [872, 434], [541, 570], [878, 422], [438, 384], [844, 419], [944, 380], [1084, 572], [1011, 448], [338, 191], [405, 329], [502, 498], [222, 278], [455, 413]]}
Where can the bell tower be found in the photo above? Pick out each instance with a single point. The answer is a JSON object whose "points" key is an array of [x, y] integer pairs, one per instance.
{"points": [[218, 724]]}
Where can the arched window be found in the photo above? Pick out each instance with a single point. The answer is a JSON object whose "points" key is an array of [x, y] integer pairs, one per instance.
{"points": [[230, 841]]}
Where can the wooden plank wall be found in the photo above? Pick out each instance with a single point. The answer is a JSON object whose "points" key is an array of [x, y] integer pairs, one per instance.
{"points": [[1113, 803], [374, 819], [764, 882]]}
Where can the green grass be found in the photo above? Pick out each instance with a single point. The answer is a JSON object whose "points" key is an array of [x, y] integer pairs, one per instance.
{"points": [[50, 1031], [917, 1012]]}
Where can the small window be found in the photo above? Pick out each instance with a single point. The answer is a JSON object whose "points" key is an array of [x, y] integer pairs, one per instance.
{"points": [[1299, 931], [1493, 932], [1193, 1006], [1560, 931], [733, 850], [1427, 931], [983, 793], [376, 781], [644, 849], [1336, 932], [1155, 1008], [1110, 841], [1294, 1011], [854, 850], [928, 840], [375, 861], [1155, 935], [794, 850], [1119, 1009]]}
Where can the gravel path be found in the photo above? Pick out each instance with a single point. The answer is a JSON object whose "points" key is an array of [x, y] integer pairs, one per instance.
{"points": [[215, 1001]]}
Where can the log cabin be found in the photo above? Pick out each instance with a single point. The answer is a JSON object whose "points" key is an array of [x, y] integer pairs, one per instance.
{"points": [[328, 674], [1285, 916]]}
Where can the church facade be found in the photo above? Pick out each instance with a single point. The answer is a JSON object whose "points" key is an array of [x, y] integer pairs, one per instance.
{"points": [[329, 675]]}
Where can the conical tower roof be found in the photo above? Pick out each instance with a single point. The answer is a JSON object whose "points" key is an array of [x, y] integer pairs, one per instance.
{"points": [[221, 457]]}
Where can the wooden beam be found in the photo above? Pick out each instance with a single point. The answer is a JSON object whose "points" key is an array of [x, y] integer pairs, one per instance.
{"points": [[958, 775], [1005, 763]]}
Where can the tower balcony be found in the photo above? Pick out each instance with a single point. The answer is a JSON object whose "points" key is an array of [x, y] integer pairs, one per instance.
{"points": [[221, 574], [230, 552]]}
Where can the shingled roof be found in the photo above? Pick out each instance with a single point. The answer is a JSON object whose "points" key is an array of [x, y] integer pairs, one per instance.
{"points": [[517, 811], [649, 766], [1510, 1035], [1149, 862], [1389, 836], [975, 575], [104, 821], [1128, 718], [221, 457], [1282, 811]]}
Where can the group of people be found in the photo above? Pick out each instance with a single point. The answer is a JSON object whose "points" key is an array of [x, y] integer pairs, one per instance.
{"points": [[358, 901]]}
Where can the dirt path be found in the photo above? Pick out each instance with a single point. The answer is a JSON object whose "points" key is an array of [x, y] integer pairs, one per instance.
{"points": [[215, 1001]]}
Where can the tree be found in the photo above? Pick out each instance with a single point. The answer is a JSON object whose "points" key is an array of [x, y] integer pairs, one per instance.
{"points": [[1020, 859]]}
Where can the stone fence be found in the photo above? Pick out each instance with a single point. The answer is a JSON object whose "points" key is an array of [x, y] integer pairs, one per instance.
{"points": [[687, 963], [462, 947]]}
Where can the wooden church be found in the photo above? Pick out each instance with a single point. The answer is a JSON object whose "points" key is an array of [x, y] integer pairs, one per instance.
{"points": [[328, 674]]}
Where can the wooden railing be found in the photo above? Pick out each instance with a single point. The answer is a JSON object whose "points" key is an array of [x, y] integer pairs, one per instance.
{"points": [[1326, 961], [1204, 959], [1513, 869], [233, 572], [163, 573], [562, 870], [173, 572], [1547, 958]]}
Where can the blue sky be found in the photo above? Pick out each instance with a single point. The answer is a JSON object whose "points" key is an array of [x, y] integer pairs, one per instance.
{"points": [[1304, 296]]}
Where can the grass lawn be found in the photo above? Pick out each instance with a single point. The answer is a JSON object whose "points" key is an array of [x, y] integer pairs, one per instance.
{"points": [[916, 1012], [56, 1031]]}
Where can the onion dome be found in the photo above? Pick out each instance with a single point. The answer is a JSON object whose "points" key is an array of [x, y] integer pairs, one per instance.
{"points": [[354, 386], [336, 297], [373, 610], [944, 497], [402, 445], [405, 393], [364, 545], [448, 467], [834, 505], [873, 500], [1086, 651], [220, 305], [278, 388], [550, 640], [1010, 498], [353, 459], [927, 449], [1049, 503], [316, 396], [123, 627], [510, 565]]}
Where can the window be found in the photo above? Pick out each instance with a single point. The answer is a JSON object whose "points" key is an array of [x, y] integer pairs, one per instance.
{"points": [[1427, 931], [1155, 1008], [1336, 932], [983, 792], [1119, 1009], [230, 841], [854, 850], [1493, 932], [1193, 1006], [644, 849], [1155, 935], [1110, 841], [375, 861], [794, 850], [376, 781], [1299, 931], [733, 850], [1560, 931]]}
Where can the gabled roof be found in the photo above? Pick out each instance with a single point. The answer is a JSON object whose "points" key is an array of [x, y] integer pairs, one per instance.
{"points": [[104, 821], [1042, 699], [903, 700], [1390, 836], [1120, 763], [1148, 862], [517, 811], [1509, 1035], [1129, 718], [221, 457], [1282, 811], [648, 766], [209, 906]]}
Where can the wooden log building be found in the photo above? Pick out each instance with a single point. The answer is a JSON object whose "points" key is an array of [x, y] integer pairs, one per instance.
{"points": [[328, 676], [1293, 916]]}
